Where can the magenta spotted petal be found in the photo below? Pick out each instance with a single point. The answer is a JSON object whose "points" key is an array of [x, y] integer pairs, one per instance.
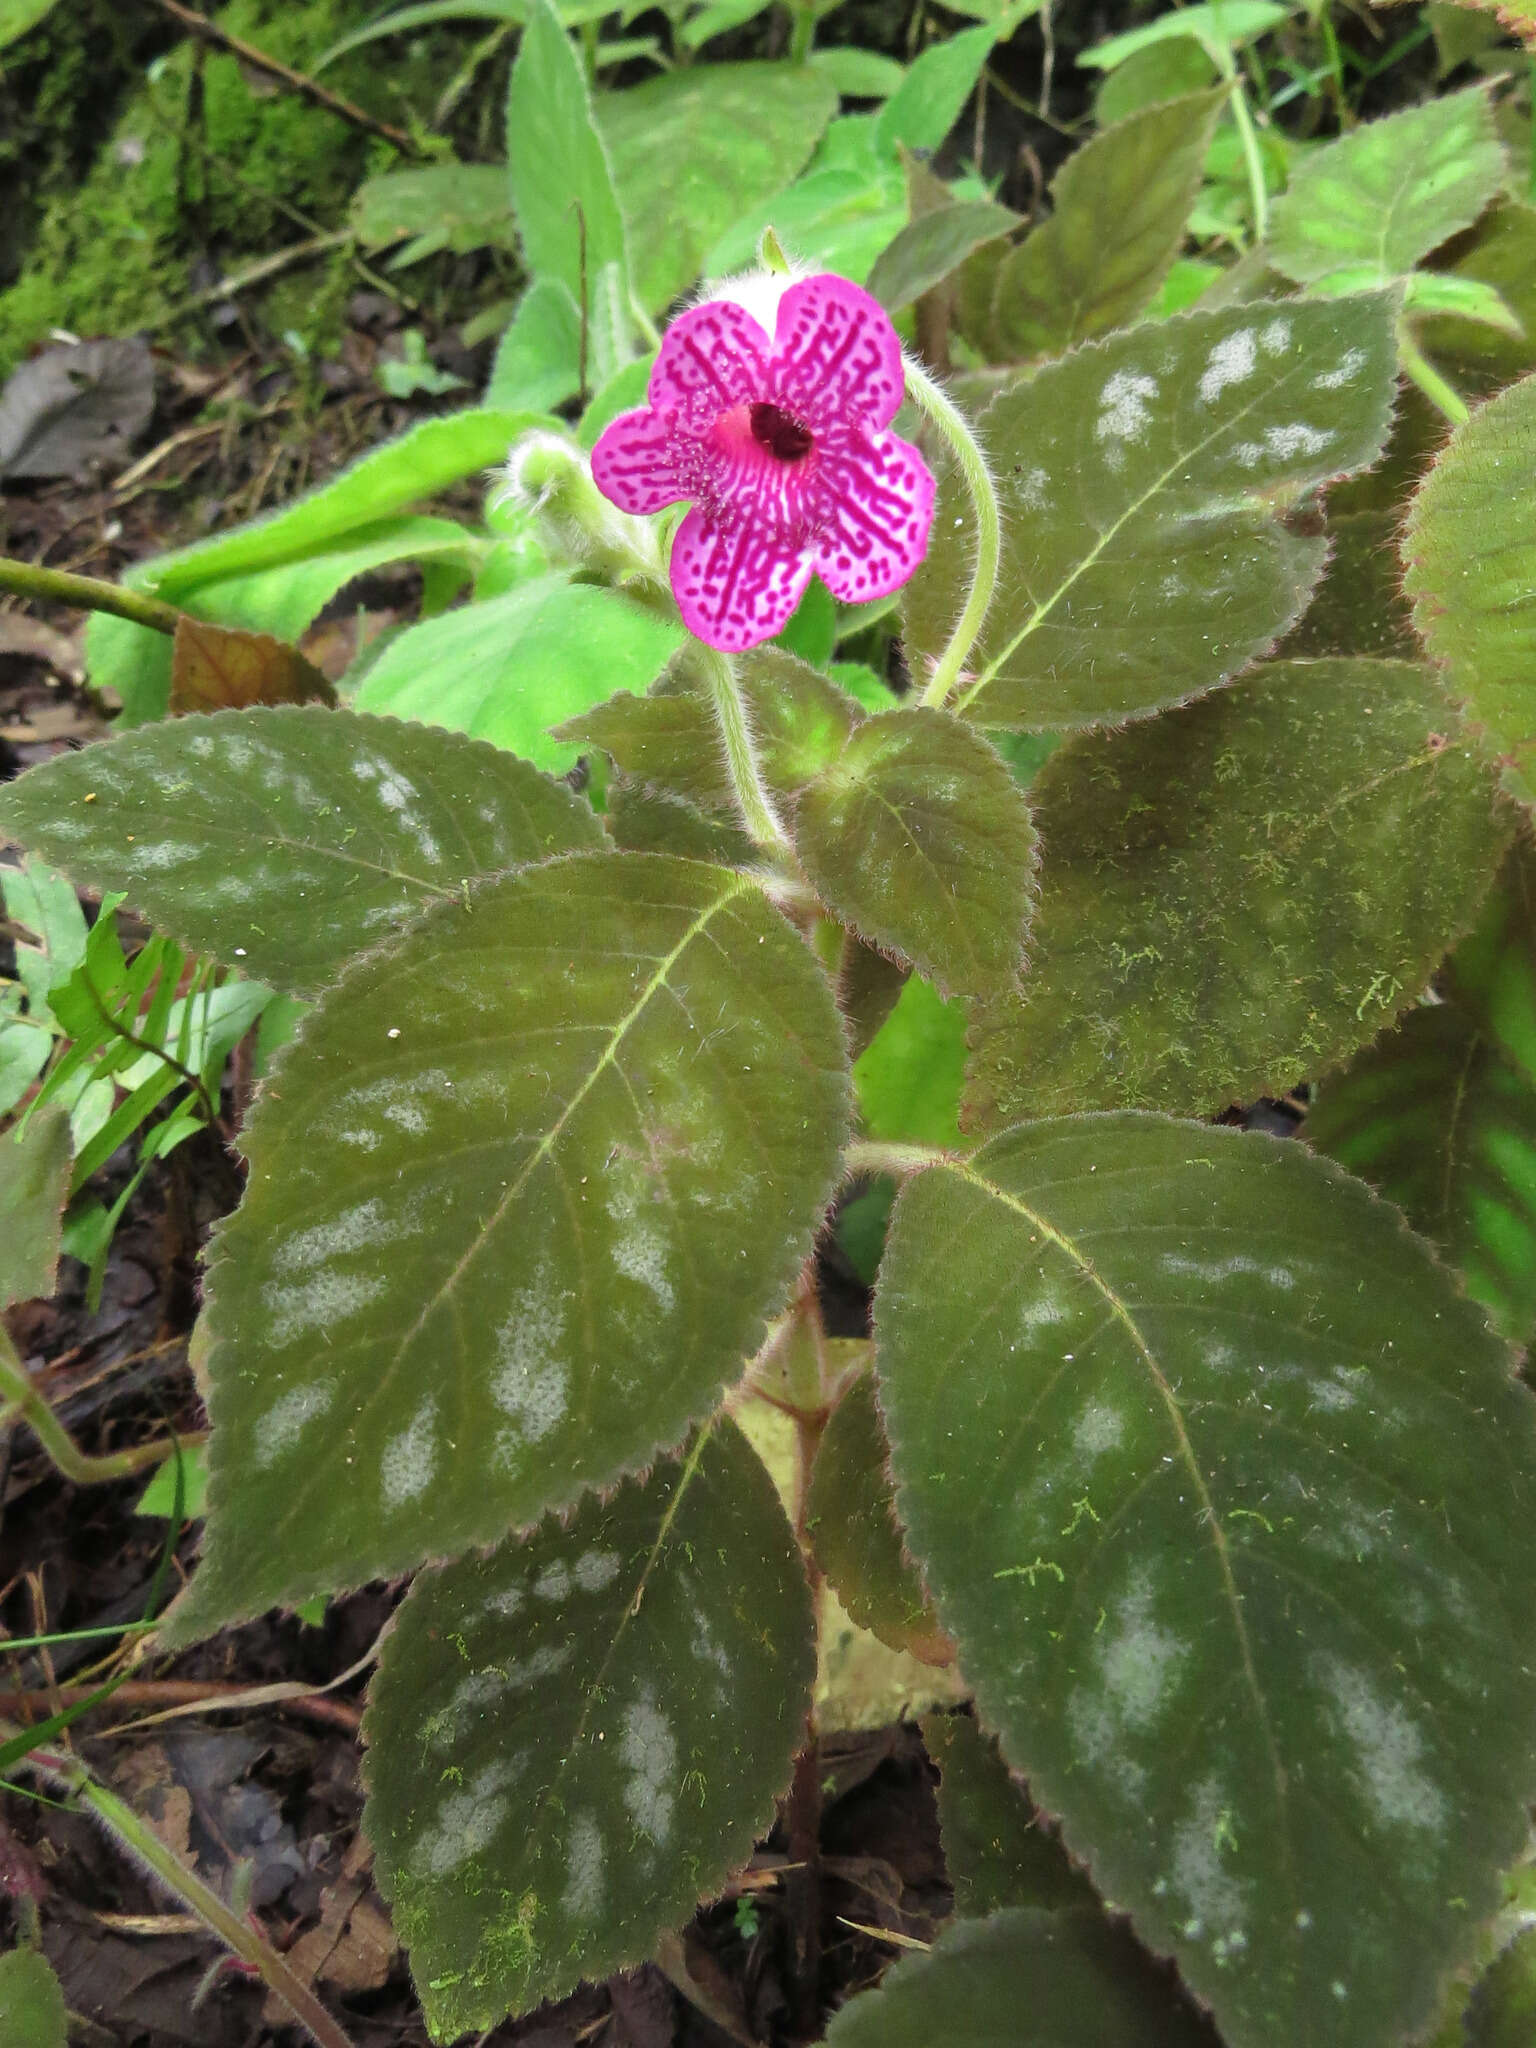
{"points": [[784, 449]]}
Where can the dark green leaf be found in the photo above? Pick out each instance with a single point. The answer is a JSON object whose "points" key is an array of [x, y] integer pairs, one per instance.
{"points": [[32, 2009], [1120, 205], [34, 1180], [801, 718], [1172, 965], [1440, 1115], [510, 668], [645, 820], [921, 840], [1162, 71], [1140, 477], [669, 740], [1228, 1498], [1359, 607], [1376, 201], [443, 206], [998, 1850], [571, 1739], [933, 245], [562, 188], [284, 841], [594, 1115], [1470, 555], [869, 986], [1023, 1979], [1501, 254], [730, 136], [851, 1524]]}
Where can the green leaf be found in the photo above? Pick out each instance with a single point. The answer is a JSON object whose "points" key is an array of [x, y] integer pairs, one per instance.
{"points": [[839, 216], [998, 1849], [1381, 197], [284, 841], [571, 1739], [538, 359], [646, 820], [1164, 70], [18, 16], [852, 1528], [1169, 967], [1224, 25], [34, 1180], [1359, 607], [442, 206], [562, 188], [730, 136], [44, 904], [1440, 1115], [669, 741], [1120, 204], [920, 839], [190, 1487], [928, 102], [510, 668], [1023, 1979], [24, 1050], [1228, 1497], [592, 1190], [909, 1078], [934, 244], [811, 629], [1500, 254], [1142, 559], [801, 718], [858, 74], [32, 2009], [1470, 555]]}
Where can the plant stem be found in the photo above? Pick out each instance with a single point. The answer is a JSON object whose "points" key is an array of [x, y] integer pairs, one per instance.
{"points": [[756, 805], [803, 35], [868, 1155], [140, 1842], [81, 1470], [1257, 188], [952, 424], [86, 593], [1416, 366]]}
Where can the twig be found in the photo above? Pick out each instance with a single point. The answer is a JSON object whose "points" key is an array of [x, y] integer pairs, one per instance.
{"points": [[255, 273], [214, 1696], [86, 593], [296, 81]]}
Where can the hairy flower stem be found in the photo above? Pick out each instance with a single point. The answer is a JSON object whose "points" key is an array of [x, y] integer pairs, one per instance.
{"points": [[952, 424], [756, 805], [871, 1155], [1417, 367], [87, 594], [133, 1835]]}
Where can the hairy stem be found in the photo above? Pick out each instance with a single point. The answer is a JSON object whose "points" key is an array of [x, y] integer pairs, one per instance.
{"points": [[803, 34], [1258, 190], [1416, 366], [756, 805], [952, 424], [140, 1841], [25, 1403], [87, 594], [869, 1155]]}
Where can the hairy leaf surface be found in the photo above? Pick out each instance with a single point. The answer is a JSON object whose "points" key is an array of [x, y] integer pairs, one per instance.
{"points": [[1228, 1498], [1063, 1980], [920, 838], [998, 1851], [1120, 205], [34, 1180], [573, 1738], [1240, 893], [1375, 202], [1470, 557], [286, 840], [32, 2009], [934, 244], [521, 1195], [1142, 561]]}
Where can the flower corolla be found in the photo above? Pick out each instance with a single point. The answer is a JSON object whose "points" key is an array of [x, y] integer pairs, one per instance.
{"points": [[781, 441]]}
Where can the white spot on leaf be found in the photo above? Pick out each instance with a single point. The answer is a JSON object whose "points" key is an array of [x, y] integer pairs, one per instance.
{"points": [[649, 1753], [280, 1428], [1231, 361], [409, 1462], [584, 1881], [1123, 401]]}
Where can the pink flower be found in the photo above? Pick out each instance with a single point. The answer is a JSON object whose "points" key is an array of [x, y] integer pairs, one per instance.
{"points": [[784, 447]]}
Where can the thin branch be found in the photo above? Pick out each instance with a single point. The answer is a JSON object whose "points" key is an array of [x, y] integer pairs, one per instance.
{"points": [[86, 593], [308, 88]]}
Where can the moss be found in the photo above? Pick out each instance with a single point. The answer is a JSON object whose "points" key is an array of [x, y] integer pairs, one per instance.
{"points": [[172, 184]]}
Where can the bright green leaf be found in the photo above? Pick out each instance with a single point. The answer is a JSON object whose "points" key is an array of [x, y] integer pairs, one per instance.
{"points": [[909, 1078], [32, 2009], [1381, 197], [928, 102], [17, 16], [858, 74], [1470, 556], [284, 841], [571, 1739], [730, 136], [562, 188], [1140, 477], [538, 359], [34, 1180], [44, 905], [934, 244], [1228, 1497], [837, 217], [442, 206], [159, 1497], [1169, 968], [1120, 204], [1059, 1980], [509, 669], [1224, 25], [518, 1204], [920, 839]]}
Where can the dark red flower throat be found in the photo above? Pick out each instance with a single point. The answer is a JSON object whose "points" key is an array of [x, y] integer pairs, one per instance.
{"points": [[780, 432]]}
